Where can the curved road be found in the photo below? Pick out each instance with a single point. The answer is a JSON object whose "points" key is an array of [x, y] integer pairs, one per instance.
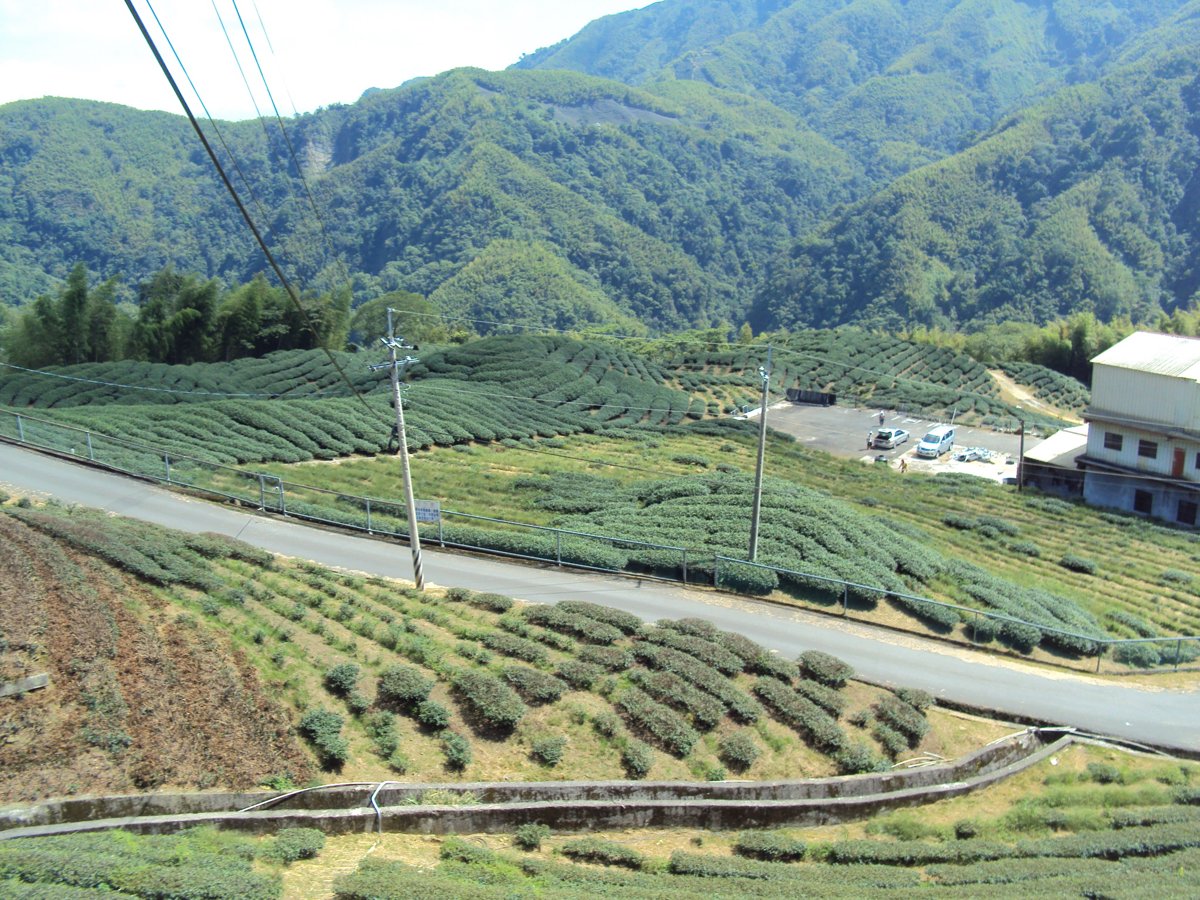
{"points": [[1165, 718]]}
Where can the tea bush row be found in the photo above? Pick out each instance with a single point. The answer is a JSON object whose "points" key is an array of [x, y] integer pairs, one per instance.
{"points": [[741, 706], [805, 717], [572, 623], [489, 699], [666, 687], [712, 655], [660, 722]]}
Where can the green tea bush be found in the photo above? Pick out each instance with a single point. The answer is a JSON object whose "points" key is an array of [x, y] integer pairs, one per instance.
{"points": [[457, 750], [666, 726], [637, 758], [381, 728], [741, 707], [606, 853], [549, 750], [804, 716], [614, 659], [342, 679], [403, 686], [606, 723], [323, 730], [626, 622], [292, 844], [530, 836], [533, 685], [738, 750], [432, 715], [827, 669], [771, 846], [904, 718], [707, 652], [666, 687], [581, 626], [1079, 564], [829, 699], [489, 700], [916, 698], [894, 743], [514, 646], [1137, 656], [579, 675], [464, 851]]}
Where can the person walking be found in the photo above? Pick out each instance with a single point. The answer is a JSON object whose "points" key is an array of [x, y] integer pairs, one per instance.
{"points": [[881, 417], [870, 439], [903, 465]]}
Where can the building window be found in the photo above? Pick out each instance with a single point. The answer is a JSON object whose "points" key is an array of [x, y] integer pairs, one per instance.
{"points": [[1187, 513], [1143, 502], [1148, 449], [1114, 441]]}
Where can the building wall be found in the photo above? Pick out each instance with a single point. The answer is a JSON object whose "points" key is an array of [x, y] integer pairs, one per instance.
{"points": [[1121, 492], [1163, 462], [1146, 396]]}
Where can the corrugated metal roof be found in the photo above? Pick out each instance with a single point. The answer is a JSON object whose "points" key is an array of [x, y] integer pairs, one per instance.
{"points": [[1065, 443], [1159, 354]]}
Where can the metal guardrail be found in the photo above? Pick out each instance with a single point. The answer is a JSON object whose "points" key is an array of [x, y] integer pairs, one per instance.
{"points": [[269, 494]]}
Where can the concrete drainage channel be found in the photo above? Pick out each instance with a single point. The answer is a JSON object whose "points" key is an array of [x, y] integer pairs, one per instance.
{"points": [[564, 806]]}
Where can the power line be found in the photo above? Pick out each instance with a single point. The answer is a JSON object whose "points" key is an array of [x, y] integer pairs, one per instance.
{"points": [[291, 291]]}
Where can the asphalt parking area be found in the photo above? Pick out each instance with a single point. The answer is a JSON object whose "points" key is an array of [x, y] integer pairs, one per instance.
{"points": [[842, 431]]}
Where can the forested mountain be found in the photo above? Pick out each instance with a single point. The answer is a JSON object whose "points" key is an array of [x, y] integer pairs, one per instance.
{"points": [[1089, 201], [948, 162]]}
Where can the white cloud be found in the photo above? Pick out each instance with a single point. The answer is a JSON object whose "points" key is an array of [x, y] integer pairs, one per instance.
{"points": [[324, 51]]}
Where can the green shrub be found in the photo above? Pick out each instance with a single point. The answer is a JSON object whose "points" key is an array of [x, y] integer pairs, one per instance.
{"points": [[894, 743], [1104, 773], [491, 701], [323, 730], [614, 659], [381, 729], [607, 853], [292, 844], [549, 750], [461, 850], [772, 846], [636, 758], [916, 698], [606, 723], [804, 716], [666, 726], [433, 715], [457, 750], [825, 668], [904, 718], [1138, 656], [403, 686], [530, 836], [738, 750], [856, 758], [533, 685], [829, 699], [579, 675], [1079, 564]]}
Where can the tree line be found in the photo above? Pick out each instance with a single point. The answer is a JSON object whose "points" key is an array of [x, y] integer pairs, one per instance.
{"points": [[181, 319]]}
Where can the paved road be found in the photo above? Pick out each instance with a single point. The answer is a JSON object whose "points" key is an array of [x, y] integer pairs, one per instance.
{"points": [[1165, 718]]}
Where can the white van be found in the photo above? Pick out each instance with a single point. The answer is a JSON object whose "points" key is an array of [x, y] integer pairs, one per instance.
{"points": [[939, 440]]}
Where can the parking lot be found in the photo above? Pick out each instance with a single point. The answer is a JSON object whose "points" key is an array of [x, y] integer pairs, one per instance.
{"points": [[842, 431]]}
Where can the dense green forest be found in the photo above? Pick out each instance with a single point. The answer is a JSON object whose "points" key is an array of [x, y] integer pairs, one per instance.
{"points": [[933, 162]]}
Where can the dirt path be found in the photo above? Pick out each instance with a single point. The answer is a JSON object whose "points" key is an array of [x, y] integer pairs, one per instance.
{"points": [[1011, 392]]}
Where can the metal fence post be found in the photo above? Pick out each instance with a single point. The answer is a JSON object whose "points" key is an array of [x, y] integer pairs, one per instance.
{"points": [[20, 430], [684, 554], [558, 547], [262, 492], [1099, 655], [441, 536], [716, 571], [282, 502], [1178, 652], [367, 500], [91, 452], [167, 466], [845, 599]]}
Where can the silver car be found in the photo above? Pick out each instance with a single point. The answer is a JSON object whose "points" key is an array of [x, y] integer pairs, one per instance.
{"points": [[887, 438]]}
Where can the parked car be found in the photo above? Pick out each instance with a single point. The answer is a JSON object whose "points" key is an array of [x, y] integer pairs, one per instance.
{"points": [[939, 440], [887, 438]]}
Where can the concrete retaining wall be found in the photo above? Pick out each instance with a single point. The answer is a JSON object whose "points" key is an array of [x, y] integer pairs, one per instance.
{"points": [[565, 806]]}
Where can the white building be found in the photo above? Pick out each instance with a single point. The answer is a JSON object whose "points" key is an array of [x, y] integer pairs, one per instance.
{"points": [[1143, 447]]}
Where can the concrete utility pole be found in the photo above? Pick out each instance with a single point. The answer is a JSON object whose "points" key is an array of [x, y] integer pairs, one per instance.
{"points": [[394, 364], [1021, 455], [764, 372]]}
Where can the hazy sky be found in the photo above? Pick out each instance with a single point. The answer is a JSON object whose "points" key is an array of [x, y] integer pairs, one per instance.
{"points": [[314, 52]]}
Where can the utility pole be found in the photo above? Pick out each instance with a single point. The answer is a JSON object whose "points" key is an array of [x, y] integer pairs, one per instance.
{"points": [[764, 373], [1021, 455], [394, 364]]}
